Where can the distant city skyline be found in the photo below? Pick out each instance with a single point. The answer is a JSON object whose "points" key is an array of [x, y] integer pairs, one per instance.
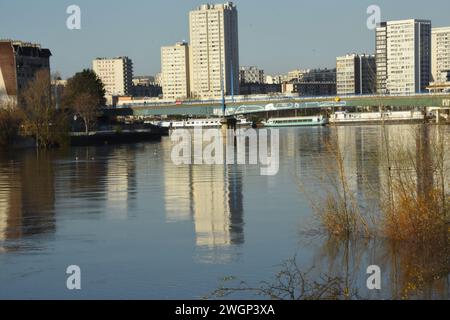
{"points": [[276, 36]]}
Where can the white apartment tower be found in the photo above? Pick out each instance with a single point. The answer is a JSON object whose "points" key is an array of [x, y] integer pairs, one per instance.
{"points": [[116, 75], [214, 50], [355, 74], [175, 71], [440, 53], [403, 50]]}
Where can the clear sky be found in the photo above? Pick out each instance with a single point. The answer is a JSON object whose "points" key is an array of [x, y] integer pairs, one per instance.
{"points": [[276, 35]]}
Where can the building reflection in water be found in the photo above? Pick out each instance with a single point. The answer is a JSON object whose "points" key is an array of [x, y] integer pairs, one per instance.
{"points": [[218, 208], [101, 174], [361, 148], [178, 192], [31, 182], [212, 197], [10, 206], [121, 182], [27, 198]]}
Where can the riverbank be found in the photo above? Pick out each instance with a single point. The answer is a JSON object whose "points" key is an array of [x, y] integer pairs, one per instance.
{"points": [[111, 137], [96, 138]]}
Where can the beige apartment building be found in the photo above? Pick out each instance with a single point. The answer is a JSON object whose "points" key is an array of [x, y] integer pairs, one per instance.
{"points": [[440, 53], [116, 75], [175, 71], [214, 50], [355, 74]]}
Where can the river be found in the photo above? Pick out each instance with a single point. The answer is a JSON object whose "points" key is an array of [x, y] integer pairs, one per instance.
{"points": [[141, 227]]}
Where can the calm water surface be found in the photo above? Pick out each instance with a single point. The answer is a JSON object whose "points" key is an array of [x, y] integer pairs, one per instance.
{"points": [[141, 227]]}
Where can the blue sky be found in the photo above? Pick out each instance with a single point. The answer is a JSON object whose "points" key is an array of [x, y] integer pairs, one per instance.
{"points": [[276, 35]]}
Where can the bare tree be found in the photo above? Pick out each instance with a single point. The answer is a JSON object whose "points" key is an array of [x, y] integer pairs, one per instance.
{"points": [[85, 105], [290, 283], [42, 120]]}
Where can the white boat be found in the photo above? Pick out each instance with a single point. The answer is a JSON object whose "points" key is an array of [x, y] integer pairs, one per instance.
{"points": [[195, 123], [296, 121], [243, 122], [344, 117]]}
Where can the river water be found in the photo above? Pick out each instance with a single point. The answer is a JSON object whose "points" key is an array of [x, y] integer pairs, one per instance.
{"points": [[141, 227]]}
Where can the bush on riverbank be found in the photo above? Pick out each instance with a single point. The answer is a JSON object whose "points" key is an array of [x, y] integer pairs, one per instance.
{"points": [[48, 125], [336, 206], [414, 199], [412, 215], [35, 116], [10, 121]]}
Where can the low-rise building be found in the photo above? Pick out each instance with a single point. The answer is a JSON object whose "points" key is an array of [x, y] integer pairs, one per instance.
{"points": [[275, 79], [442, 85], [143, 80], [143, 86], [251, 75], [158, 79], [320, 75], [259, 88], [297, 75], [146, 90], [315, 82], [311, 89], [19, 63]]}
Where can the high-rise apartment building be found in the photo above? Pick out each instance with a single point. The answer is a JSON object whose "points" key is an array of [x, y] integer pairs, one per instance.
{"points": [[116, 75], [381, 57], [19, 63], [175, 71], [214, 50], [440, 53], [355, 74], [403, 50]]}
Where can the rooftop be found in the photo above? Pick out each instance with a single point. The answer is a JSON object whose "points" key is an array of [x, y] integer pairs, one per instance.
{"points": [[27, 48], [228, 5]]}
